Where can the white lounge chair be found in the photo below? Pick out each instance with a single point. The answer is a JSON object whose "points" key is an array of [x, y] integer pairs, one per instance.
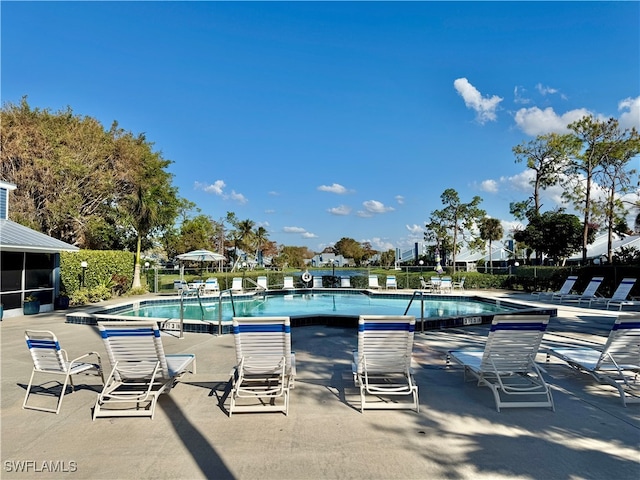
{"points": [[619, 297], [382, 363], [588, 294], [317, 282], [345, 282], [565, 289], [236, 285], [391, 282], [373, 282], [48, 358], [262, 283], [617, 364], [211, 286], [265, 369], [458, 285], [140, 370], [507, 363], [446, 285], [288, 283]]}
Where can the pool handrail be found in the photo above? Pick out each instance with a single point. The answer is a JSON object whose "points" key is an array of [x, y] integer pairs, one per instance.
{"points": [[189, 293], [233, 307], [417, 293]]}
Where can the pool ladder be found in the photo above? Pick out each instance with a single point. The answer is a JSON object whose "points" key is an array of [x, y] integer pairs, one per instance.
{"points": [[418, 293]]}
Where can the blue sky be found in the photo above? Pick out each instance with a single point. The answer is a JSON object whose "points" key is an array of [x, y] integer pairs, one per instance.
{"points": [[325, 120]]}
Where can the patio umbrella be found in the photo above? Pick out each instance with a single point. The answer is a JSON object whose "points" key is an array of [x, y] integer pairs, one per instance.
{"points": [[201, 256]]}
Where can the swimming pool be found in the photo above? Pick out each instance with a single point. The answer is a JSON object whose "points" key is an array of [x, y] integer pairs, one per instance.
{"points": [[310, 307]]}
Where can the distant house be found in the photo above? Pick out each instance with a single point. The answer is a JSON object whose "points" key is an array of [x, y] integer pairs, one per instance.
{"points": [[29, 262], [329, 259]]}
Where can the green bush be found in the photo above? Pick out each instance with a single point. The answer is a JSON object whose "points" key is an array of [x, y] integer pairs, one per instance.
{"points": [[106, 271]]}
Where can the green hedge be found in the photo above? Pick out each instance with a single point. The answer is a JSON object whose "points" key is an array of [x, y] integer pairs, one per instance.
{"points": [[108, 273]]}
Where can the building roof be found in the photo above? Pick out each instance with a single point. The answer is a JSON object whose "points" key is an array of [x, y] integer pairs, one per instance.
{"points": [[598, 248], [18, 238]]}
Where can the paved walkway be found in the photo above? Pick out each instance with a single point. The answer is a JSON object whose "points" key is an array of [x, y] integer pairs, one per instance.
{"points": [[457, 435]]}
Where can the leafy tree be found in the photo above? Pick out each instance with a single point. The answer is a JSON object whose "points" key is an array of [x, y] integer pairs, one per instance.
{"points": [[111, 190], [455, 220], [491, 230], [615, 180], [388, 258], [554, 233], [601, 141], [293, 256], [350, 248]]}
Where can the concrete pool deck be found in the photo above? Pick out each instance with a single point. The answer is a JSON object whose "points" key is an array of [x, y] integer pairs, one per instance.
{"points": [[458, 433]]}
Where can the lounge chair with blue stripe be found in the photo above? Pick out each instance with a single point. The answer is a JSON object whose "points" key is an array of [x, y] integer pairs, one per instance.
{"points": [[619, 297], [265, 365], [616, 364], [507, 363], [48, 358], [382, 363], [391, 282], [140, 370], [588, 294], [565, 289], [211, 286]]}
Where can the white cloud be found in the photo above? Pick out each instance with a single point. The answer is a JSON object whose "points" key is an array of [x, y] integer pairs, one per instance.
{"points": [[630, 116], [545, 90], [490, 186], [518, 96], [400, 199], [374, 206], [217, 188], [341, 210], [335, 188], [270, 211], [302, 231], [380, 244], [485, 108], [415, 229], [273, 193], [534, 121], [294, 230], [238, 197]]}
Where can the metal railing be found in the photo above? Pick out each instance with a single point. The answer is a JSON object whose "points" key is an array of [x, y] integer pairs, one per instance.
{"points": [[233, 307], [418, 293], [191, 292]]}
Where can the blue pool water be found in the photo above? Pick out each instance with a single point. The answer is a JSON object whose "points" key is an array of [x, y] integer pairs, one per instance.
{"points": [[320, 304]]}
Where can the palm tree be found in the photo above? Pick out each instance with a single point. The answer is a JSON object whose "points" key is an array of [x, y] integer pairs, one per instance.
{"points": [[261, 236], [490, 229]]}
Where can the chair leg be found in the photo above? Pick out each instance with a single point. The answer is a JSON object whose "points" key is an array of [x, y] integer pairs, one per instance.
{"points": [[24, 404], [67, 379]]}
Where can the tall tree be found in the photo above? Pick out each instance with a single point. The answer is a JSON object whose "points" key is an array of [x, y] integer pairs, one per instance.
{"points": [[615, 179], [547, 155], [151, 203], [491, 230], [600, 141], [455, 220]]}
